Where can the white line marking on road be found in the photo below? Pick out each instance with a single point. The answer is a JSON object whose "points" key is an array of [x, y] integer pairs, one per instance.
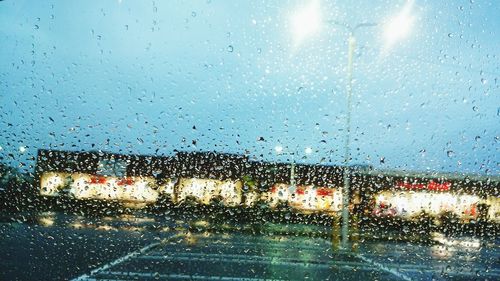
{"points": [[185, 276], [115, 262], [384, 268], [257, 259]]}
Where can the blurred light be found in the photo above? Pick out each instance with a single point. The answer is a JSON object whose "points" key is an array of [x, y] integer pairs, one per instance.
{"points": [[278, 149], [51, 182], [306, 21], [22, 149], [462, 243], [46, 221], [399, 26], [308, 150], [201, 223]]}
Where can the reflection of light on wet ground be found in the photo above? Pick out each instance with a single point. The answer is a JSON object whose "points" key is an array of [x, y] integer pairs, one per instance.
{"points": [[130, 218], [127, 222], [190, 239], [135, 218], [441, 252], [105, 227], [464, 243], [46, 219], [201, 223], [165, 229]]}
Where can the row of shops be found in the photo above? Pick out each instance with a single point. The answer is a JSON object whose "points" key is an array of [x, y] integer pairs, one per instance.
{"points": [[235, 181]]}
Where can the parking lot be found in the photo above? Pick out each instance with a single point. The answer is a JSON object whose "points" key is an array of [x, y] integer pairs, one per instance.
{"points": [[59, 246]]}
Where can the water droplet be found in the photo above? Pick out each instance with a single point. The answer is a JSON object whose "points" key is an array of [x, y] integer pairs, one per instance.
{"points": [[484, 81], [450, 35], [230, 48], [475, 108], [193, 14], [36, 26], [450, 153]]}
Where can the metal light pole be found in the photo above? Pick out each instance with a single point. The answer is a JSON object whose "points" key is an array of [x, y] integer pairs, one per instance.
{"points": [[279, 150], [347, 145], [347, 151], [307, 21], [292, 172]]}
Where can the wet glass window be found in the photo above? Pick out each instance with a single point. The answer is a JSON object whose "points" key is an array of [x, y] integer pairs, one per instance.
{"points": [[249, 140]]}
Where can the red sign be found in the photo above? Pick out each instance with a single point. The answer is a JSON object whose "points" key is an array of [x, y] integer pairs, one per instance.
{"points": [[324, 192], [96, 180], [125, 181], [422, 186]]}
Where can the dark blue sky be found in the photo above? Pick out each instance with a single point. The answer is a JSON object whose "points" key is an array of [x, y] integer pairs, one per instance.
{"points": [[153, 76]]}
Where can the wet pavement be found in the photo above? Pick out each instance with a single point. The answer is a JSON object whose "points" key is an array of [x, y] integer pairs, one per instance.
{"points": [[57, 246], [206, 256]]}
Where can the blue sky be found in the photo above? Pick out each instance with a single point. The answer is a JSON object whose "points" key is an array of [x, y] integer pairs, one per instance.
{"points": [[150, 77]]}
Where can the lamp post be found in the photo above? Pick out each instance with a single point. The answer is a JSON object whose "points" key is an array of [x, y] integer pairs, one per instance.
{"points": [[347, 144], [279, 150], [395, 29]]}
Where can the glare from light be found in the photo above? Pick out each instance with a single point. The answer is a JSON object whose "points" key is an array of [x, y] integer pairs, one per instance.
{"points": [[306, 21], [278, 148], [308, 150], [22, 149], [398, 27]]}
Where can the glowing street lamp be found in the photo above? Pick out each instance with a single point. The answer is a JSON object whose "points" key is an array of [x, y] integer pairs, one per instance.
{"points": [[305, 23], [398, 27]]}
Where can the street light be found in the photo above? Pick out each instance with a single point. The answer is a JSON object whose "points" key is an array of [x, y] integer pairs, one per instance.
{"points": [[305, 21], [395, 29]]}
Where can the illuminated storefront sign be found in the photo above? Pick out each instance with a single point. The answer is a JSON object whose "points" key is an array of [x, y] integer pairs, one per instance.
{"points": [[306, 197], [434, 186], [205, 190], [85, 186], [411, 203]]}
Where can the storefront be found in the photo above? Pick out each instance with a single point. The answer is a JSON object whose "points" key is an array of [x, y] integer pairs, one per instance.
{"points": [[306, 198], [96, 187], [204, 191], [408, 200]]}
